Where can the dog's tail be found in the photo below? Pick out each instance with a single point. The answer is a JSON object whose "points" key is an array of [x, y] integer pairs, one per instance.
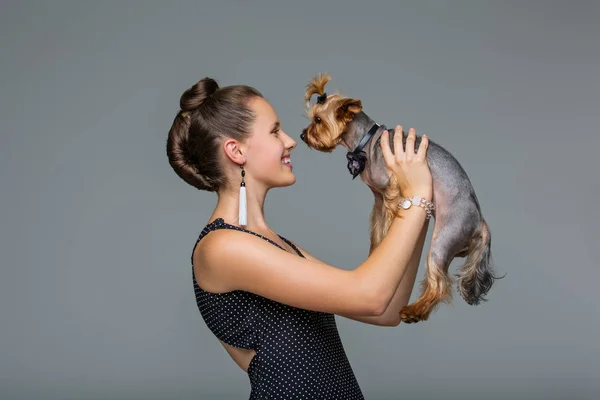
{"points": [[476, 276]]}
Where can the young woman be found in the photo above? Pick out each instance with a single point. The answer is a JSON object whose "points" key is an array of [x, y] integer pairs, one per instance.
{"points": [[269, 302]]}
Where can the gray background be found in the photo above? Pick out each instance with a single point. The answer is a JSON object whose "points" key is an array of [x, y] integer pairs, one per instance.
{"points": [[96, 229]]}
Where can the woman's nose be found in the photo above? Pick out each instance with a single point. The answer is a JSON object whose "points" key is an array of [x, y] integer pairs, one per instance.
{"points": [[291, 143]]}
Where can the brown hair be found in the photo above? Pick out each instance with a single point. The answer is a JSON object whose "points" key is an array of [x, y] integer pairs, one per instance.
{"points": [[208, 114]]}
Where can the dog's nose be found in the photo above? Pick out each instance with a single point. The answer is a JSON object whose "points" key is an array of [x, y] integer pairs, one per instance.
{"points": [[303, 136]]}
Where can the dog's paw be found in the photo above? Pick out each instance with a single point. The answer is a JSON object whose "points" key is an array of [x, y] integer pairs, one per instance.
{"points": [[413, 313]]}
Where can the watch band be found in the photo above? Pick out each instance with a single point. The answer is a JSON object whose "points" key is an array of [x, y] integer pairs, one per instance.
{"points": [[407, 202]]}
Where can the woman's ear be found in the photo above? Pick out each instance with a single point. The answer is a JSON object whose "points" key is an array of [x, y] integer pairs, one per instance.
{"points": [[234, 151]]}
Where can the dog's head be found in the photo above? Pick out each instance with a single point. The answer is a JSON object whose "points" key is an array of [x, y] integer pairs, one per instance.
{"points": [[329, 116]]}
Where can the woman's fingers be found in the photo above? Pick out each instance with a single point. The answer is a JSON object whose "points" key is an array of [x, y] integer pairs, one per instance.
{"points": [[410, 144], [422, 152], [403, 153], [398, 148]]}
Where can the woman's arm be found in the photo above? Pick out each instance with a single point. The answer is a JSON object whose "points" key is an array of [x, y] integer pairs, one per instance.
{"points": [[228, 260], [391, 316]]}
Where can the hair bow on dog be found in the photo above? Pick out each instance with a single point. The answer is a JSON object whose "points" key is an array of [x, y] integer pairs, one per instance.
{"points": [[356, 162], [321, 99]]}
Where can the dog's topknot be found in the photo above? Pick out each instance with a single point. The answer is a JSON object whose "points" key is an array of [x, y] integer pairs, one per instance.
{"points": [[316, 86]]}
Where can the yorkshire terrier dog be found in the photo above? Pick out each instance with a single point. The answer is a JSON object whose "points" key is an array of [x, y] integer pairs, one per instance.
{"points": [[460, 229]]}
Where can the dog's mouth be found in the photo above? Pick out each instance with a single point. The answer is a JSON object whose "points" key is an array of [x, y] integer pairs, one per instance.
{"points": [[316, 145], [303, 135]]}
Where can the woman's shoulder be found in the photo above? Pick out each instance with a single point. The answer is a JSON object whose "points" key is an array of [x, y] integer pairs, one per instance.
{"points": [[212, 241]]}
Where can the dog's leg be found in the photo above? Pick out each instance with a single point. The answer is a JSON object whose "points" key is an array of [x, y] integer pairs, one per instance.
{"points": [[378, 228], [391, 197], [383, 211], [476, 277], [437, 285], [435, 288]]}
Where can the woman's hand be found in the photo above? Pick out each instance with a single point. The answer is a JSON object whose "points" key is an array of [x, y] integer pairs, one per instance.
{"points": [[409, 168]]}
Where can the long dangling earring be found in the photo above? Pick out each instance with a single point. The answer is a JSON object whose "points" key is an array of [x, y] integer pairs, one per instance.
{"points": [[242, 217]]}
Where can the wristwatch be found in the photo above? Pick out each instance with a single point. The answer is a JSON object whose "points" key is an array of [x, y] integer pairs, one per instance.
{"points": [[408, 202]]}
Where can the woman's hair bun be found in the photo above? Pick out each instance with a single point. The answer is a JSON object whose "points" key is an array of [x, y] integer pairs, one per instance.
{"points": [[208, 115], [197, 94]]}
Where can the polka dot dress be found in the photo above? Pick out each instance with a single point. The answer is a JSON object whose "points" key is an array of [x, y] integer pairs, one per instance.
{"points": [[299, 354]]}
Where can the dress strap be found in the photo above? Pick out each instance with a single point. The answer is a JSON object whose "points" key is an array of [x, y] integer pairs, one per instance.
{"points": [[219, 223], [292, 245]]}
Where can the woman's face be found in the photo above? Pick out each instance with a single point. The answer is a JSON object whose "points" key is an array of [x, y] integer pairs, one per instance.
{"points": [[268, 148]]}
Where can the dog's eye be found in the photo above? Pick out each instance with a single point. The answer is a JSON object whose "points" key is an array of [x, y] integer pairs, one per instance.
{"points": [[318, 120]]}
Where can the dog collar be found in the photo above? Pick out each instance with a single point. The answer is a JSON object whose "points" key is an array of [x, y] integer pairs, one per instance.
{"points": [[357, 159]]}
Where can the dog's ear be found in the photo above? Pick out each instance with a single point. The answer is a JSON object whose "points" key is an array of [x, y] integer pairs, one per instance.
{"points": [[347, 109]]}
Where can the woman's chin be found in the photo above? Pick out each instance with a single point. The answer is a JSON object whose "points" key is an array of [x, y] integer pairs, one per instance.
{"points": [[284, 178], [289, 180]]}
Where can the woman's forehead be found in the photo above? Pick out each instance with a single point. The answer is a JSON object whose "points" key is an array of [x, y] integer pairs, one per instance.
{"points": [[265, 114]]}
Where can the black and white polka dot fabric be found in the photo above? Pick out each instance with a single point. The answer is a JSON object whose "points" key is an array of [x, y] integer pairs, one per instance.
{"points": [[299, 354]]}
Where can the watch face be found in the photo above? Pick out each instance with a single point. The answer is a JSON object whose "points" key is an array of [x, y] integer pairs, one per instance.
{"points": [[406, 204]]}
